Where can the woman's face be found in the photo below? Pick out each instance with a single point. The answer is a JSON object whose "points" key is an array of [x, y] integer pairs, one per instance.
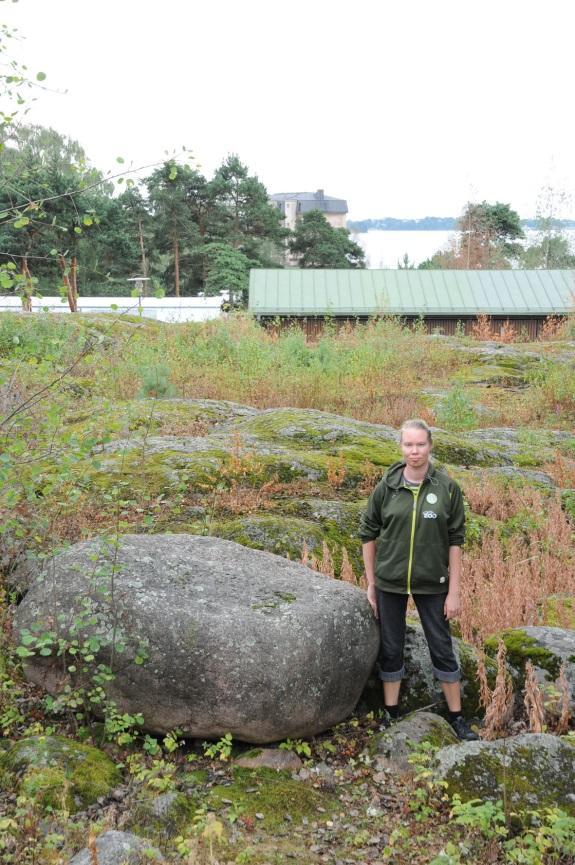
{"points": [[415, 447]]}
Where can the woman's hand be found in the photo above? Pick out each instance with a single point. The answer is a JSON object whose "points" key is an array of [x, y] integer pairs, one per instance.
{"points": [[452, 605], [372, 598]]}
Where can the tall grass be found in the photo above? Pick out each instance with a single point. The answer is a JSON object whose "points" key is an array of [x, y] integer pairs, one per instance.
{"points": [[374, 372]]}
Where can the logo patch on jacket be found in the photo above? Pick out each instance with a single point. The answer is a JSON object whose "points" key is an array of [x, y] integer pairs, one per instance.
{"points": [[431, 498], [429, 515]]}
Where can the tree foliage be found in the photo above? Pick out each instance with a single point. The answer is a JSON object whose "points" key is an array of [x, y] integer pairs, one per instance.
{"points": [[317, 244], [488, 240]]}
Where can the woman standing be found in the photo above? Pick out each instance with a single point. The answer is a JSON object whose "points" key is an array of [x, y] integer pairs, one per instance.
{"points": [[416, 515]]}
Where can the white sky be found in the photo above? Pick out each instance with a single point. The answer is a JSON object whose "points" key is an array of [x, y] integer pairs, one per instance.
{"points": [[405, 108]]}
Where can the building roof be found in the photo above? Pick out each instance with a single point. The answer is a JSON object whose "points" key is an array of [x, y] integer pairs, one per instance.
{"points": [[307, 201], [298, 291]]}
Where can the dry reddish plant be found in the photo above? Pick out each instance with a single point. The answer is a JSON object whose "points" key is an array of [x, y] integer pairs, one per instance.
{"points": [[552, 328], [507, 333], [562, 470], [325, 566], [336, 471], [481, 329], [93, 849], [506, 580], [304, 554], [500, 709], [346, 571], [565, 702], [533, 700], [485, 692]]}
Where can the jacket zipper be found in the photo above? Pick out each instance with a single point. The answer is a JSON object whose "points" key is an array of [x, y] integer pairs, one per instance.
{"points": [[415, 494]]}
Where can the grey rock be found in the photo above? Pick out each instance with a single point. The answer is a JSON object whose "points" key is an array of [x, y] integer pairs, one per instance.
{"points": [[162, 805], [561, 643], [532, 771], [119, 848], [514, 473], [239, 641], [392, 748], [270, 758]]}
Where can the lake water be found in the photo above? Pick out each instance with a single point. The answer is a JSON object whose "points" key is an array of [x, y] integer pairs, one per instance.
{"points": [[386, 248]]}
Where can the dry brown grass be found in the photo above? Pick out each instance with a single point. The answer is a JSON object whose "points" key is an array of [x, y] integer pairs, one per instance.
{"points": [[499, 711], [562, 470], [533, 701], [509, 575]]}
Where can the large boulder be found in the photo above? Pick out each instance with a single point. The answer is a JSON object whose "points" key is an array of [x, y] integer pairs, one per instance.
{"points": [[532, 771], [238, 641]]}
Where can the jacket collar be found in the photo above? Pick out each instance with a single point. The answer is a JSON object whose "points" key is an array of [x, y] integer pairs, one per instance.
{"points": [[393, 476]]}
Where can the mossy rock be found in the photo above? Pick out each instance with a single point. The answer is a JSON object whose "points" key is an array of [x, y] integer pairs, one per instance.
{"points": [[522, 645], [391, 749], [163, 816], [463, 451], [156, 417], [272, 794], [60, 772], [530, 772], [283, 536], [502, 374]]}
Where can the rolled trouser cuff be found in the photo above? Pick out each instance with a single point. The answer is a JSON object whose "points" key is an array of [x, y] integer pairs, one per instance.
{"points": [[392, 677], [447, 675]]}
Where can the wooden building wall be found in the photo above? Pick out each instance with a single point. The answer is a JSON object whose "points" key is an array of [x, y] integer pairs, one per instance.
{"points": [[528, 328]]}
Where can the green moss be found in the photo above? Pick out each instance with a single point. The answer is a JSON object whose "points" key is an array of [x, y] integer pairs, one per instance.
{"points": [[87, 773], [516, 772], [470, 682], [522, 648], [275, 795], [453, 451]]}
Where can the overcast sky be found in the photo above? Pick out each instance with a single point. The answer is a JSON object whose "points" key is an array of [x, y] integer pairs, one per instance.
{"points": [[405, 108]]}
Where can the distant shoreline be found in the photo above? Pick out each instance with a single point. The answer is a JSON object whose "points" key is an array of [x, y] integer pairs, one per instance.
{"points": [[435, 223]]}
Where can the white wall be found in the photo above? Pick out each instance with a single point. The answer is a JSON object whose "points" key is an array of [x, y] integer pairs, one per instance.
{"points": [[160, 308]]}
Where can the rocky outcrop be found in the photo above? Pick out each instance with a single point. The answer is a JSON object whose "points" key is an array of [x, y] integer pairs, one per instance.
{"points": [[532, 771], [237, 641]]}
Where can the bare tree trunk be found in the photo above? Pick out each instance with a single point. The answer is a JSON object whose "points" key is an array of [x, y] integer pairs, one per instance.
{"points": [[143, 251], [27, 294], [177, 266], [69, 279]]}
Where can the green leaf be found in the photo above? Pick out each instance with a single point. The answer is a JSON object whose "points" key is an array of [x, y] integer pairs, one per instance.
{"points": [[23, 652], [173, 173], [20, 223], [120, 159], [159, 292], [87, 220], [53, 252], [40, 76], [77, 229]]}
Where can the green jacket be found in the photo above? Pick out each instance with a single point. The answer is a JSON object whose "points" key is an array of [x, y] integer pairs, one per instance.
{"points": [[413, 531]]}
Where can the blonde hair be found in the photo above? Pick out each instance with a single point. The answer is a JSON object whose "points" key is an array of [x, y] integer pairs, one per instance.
{"points": [[416, 423]]}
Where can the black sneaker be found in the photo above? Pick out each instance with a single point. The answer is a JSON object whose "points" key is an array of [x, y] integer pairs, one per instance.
{"points": [[462, 729]]}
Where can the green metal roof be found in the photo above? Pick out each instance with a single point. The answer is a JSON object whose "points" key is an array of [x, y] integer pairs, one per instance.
{"points": [[294, 291]]}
